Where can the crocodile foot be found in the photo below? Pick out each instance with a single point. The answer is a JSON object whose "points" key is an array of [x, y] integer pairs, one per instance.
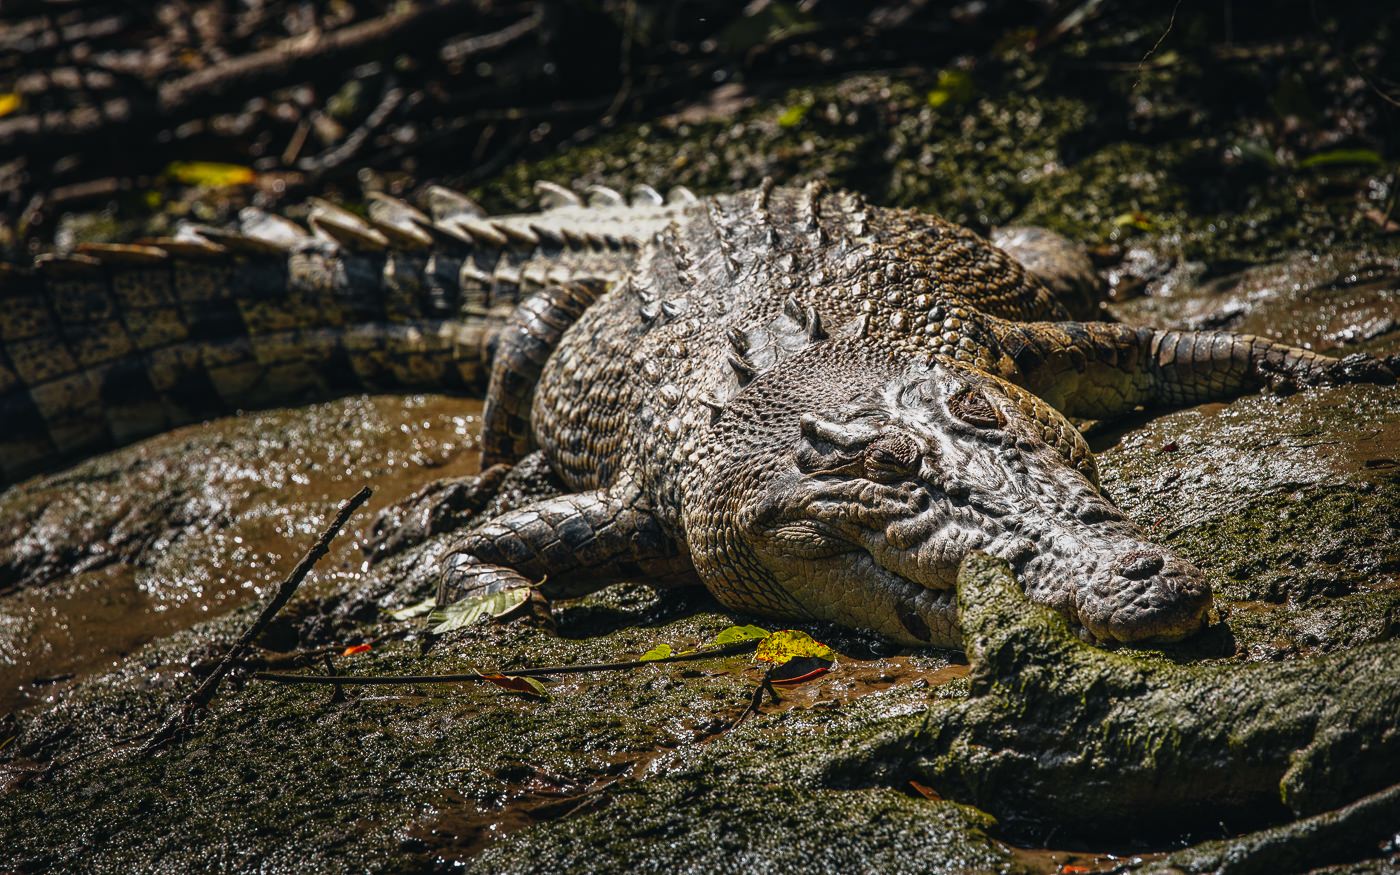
{"points": [[441, 506], [467, 578], [460, 503]]}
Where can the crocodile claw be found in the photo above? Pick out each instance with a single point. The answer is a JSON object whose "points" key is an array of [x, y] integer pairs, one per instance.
{"points": [[441, 506]]}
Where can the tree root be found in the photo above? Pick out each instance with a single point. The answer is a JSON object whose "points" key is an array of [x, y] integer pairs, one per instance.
{"points": [[1058, 731], [1337, 836]]}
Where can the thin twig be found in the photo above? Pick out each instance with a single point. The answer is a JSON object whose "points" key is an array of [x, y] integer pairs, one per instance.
{"points": [[467, 677], [200, 698]]}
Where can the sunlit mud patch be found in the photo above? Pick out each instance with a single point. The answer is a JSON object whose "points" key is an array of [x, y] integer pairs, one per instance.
{"points": [[136, 544], [523, 796]]}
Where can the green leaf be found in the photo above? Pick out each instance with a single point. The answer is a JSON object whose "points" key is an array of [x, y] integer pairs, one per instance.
{"points": [[411, 611], [1136, 219], [466, 611], [1342, 156], [211, 173], [793, 115], [789, 644], [660, 651], [735, 634], [954, 86]]}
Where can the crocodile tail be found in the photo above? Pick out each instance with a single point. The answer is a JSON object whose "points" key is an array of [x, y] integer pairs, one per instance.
{"points": [[117, 342]]}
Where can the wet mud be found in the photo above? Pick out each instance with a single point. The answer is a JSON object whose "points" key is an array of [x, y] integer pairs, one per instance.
{"points": [[122, 576]]}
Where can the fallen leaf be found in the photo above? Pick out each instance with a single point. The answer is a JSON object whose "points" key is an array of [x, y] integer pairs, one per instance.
{"points": [[660, 651], [528, 686], [1342, 156], [925, 791], [788, 644], [1071, 869], [793, 116], [798, 670], [9, 102], [466, 611], [954, 86], [1136, 219], [354, 649], [211, 173], [735, 634], [424, 607]]}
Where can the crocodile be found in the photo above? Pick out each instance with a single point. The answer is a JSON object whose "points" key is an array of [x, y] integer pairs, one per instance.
{"points": [[814, 406]]}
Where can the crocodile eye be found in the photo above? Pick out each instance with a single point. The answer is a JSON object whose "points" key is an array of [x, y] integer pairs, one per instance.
{"points": [[891, 456], [973, 408]]}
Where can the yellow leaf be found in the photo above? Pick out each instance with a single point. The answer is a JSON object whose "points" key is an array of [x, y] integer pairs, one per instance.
{"points": [[660, 651], [210, 173], [788, 644], [9, 103], [954, 86], [793, 116], [736, 634], [1135, 219]]}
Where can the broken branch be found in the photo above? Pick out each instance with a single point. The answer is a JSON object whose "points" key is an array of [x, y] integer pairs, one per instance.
{"points": [[201, 697]]}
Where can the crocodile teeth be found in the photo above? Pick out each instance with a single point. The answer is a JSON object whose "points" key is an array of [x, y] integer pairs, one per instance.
{"points": [[554, 196]]}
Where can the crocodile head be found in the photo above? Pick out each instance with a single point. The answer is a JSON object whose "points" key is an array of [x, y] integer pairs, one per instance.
{"points": [[851, 490]]}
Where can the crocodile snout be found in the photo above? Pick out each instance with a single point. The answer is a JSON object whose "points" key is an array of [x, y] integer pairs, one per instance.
{"points": [[1145, 594], [1140, 564]]}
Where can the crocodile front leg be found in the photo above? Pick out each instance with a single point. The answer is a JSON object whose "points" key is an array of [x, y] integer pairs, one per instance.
{"points": [[565, 547], [522, 348], [456, 503], [1100, 369]]}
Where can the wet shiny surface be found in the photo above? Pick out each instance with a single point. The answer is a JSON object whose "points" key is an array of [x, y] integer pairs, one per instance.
{"points": [[171, 543]]}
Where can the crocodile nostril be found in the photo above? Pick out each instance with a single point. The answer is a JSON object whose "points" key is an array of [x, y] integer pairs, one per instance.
{"points": [[1140, 565]]}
